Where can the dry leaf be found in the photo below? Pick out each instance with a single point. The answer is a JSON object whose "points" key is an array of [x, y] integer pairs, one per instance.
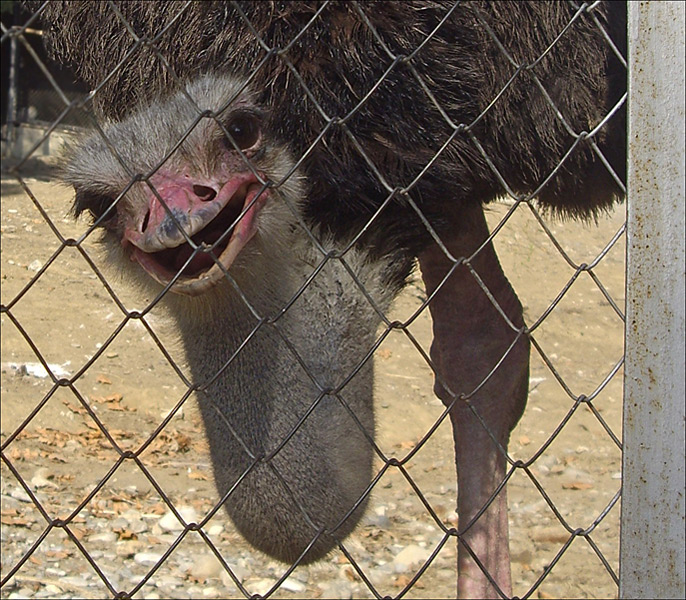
{"points": [[577, 485], [126, 534], [18, 521], [26, 454], [14, 453], [103, 379], [553, 535], [79, 410], [109, 398], [78, 532], [54, 457], [183, 441], [157, 509]]}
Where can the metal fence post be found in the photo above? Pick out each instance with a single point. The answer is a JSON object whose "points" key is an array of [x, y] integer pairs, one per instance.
{"points": [[652, 529]]}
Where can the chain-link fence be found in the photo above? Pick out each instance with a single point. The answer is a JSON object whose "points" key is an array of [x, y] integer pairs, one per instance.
{"points": [[108, 487]]}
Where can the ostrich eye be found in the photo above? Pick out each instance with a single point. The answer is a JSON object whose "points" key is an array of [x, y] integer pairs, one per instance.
{"points": [[245, 130], [95, 203]]}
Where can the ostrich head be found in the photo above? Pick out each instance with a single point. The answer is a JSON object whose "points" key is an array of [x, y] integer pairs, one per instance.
{"points": [[188, 186]]}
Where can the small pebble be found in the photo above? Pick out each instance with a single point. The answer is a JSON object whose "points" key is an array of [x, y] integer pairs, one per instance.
{"points": [[40, 479], [77, 582], [147, 558], [169, 522], [21, 495], [206, 567], [8, 502], [238, 570], [127, 548], [261, 586], [52, 590], [409, 557], [167, 582], [292, 585], [137, 526], [379, 518], [337, 590], [106, 537]]}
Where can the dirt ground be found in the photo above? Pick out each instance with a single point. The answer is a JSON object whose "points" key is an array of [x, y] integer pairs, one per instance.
{"points": [[66, 315]]}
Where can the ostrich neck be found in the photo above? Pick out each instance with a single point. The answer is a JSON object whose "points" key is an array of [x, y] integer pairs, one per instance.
{"points": [[259, 365], [271, 394]]}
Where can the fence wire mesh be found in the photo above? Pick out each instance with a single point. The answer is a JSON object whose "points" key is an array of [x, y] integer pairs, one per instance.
{"points": [[107, 483]]}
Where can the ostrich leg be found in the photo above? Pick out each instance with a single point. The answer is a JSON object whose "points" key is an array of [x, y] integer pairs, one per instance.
{"points": [[470, 338]]}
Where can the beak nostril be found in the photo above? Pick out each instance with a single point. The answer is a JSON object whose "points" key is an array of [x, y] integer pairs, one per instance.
{"points": [[146, 220], [205, 193]]}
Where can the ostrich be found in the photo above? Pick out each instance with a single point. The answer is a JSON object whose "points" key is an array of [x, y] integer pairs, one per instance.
{"points": [[250, 147]]}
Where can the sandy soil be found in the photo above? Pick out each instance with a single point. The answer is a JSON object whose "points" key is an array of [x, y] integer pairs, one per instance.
{"points": [[66, 315]]}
